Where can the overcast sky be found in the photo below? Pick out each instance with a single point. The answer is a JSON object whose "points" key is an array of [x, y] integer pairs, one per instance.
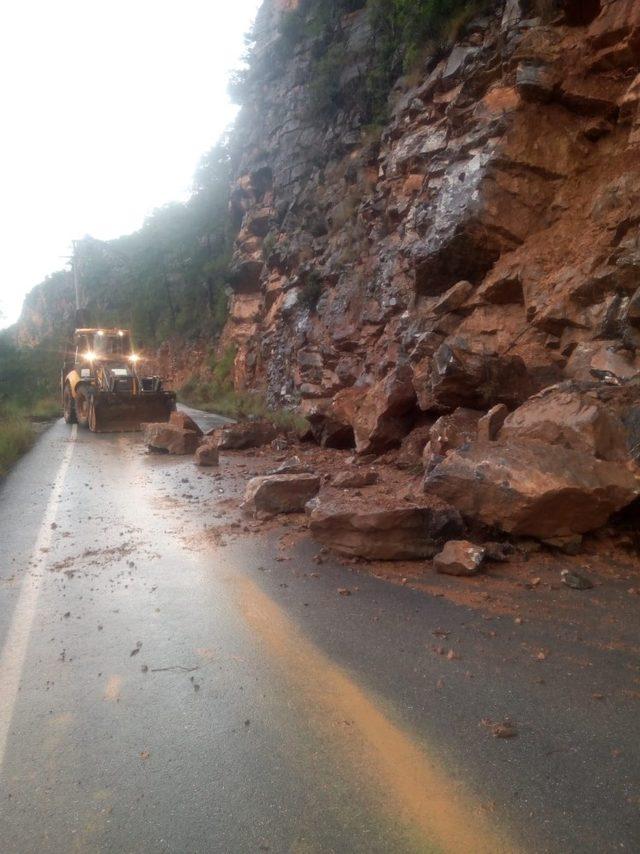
{"points": [[106, 107]]}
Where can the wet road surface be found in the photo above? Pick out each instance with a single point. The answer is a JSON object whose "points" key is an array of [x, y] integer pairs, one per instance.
{"points": [[165, 691]]}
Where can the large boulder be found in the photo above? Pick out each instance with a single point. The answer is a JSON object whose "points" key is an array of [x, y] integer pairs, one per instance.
{"points": [[186, 422], [384, 415], [531, 488], [459, 376], [167, 438], [331, 421], [246, 434], [382, 530], [279, 493], [588, 417]]}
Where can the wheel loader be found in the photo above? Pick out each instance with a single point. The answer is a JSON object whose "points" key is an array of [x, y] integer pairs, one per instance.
{"points": [[102, 388]]}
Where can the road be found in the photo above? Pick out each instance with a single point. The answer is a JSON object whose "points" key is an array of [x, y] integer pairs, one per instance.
{"points": [[163, 689]]}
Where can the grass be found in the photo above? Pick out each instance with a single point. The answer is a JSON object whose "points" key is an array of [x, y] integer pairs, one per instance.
{"points": [[16, 437], [218, 395], [237, 405], [16, 427]]}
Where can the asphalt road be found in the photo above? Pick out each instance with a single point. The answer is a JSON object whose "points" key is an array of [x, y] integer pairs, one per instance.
{"points": [[163, 689]]}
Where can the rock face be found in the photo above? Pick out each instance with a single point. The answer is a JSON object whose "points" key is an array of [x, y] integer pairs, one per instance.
{"points": [[393, 532], [169, 438], [246, 434], [454, 246], [531, 488], [280, 493], [459, 557]]}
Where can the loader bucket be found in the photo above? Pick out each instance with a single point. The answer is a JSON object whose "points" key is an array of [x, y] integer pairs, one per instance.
{"points": [[124, 413]]}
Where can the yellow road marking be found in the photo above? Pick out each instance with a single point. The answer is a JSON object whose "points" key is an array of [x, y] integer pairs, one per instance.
{"points": [[415, 785]]}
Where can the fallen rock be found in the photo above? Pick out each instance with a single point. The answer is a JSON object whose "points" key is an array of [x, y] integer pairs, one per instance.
{"points": [[207, 454], [532, 489], [569, 545], [168, 438], [498, 552], [186, 422], [575, 580], [331, 421], [461, 377], [383, 416], [292, 465], [454, 430], [581, 416], [402, 531], [459, 557], [412, 447], [271, 494], [355, 479], [246, 434], [489, 425]]}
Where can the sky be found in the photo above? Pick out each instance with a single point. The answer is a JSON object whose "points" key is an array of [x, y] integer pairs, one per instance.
{"points": [[106, 106]]}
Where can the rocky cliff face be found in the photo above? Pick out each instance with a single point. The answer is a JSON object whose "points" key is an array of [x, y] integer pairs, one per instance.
{"points": [[483, 246]]}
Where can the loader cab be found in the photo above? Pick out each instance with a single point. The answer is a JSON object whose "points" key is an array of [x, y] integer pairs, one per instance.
{"points": [[107, 347]]}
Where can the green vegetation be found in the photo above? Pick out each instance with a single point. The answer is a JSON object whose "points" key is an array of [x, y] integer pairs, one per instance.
{"points": [[27, 394], [404, 33], [16, 437], [311, 291], [217, 395], [169, 277]]}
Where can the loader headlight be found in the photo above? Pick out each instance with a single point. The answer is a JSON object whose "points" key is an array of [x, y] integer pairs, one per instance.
{"points": [[90, 356], [134, 357]]}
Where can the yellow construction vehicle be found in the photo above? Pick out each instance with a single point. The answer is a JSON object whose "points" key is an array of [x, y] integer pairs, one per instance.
{"points": [[102, 388]]}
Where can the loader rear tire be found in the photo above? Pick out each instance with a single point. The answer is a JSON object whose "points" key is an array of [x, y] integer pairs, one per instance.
{"points": [[83, 404], [69, 407]]}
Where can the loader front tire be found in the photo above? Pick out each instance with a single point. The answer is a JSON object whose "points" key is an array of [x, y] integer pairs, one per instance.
{"points": [[69, 407], [83, 407]]}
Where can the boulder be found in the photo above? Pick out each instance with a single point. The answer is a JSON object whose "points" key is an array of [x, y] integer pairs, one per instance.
{"points": [[167, 438], [489, 425], [393, 531], [206, 454], [186, 422], [453, 298], [459, 557], [412, 447], [279, 493], [292, 465], [331, 421], [461, 377], [384, 415], [593, 418], [454, 430], [531, 488], [355, 479], [246, 434]]}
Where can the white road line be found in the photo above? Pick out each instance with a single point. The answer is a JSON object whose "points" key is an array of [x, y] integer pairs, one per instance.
{"points": [[17, 640]]}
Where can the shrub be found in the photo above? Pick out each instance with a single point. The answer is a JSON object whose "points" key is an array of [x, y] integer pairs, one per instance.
{"points": [[311, 291]]}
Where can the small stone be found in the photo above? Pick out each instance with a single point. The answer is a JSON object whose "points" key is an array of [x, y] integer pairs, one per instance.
{"points": [[575, 580], [459, 557]]}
